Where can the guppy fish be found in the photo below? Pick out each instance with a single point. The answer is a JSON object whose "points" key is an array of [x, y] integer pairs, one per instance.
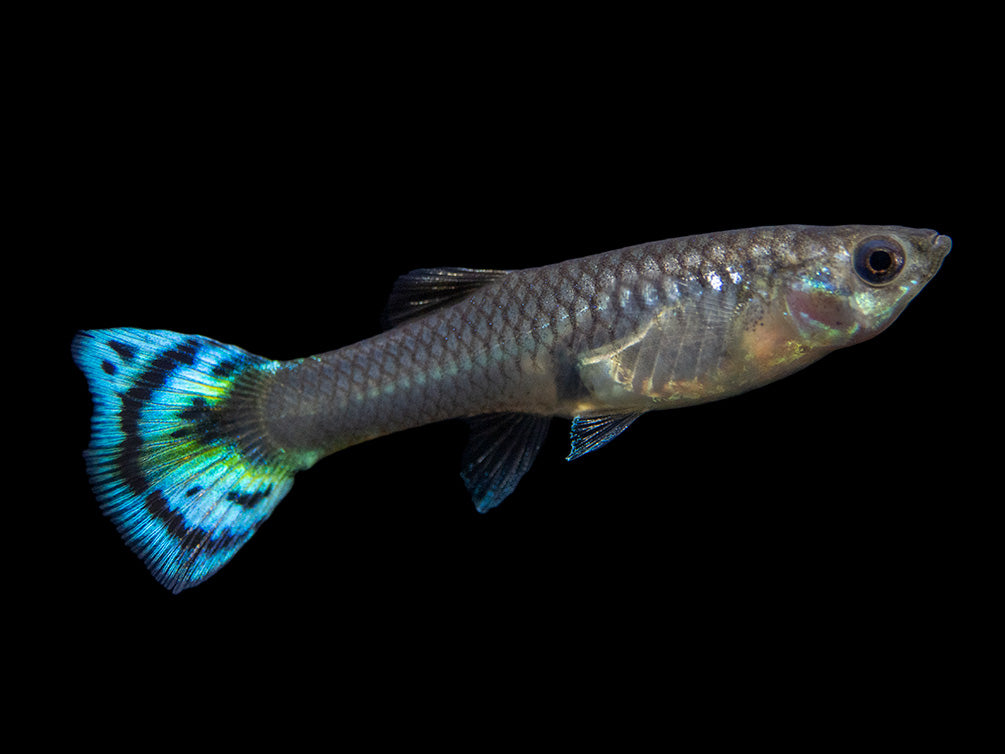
{"points": [[194, 442]]}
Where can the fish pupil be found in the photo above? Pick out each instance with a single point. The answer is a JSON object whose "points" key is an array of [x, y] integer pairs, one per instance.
{"points": [[880, 261]]}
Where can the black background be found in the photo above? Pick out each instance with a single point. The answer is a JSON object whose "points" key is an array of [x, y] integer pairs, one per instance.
{"points": [[270, 201]]}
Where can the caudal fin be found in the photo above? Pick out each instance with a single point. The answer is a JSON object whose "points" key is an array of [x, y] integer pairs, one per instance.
{"points": [[177, 458]]}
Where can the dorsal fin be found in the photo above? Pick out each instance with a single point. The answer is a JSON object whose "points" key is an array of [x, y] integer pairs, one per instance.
{"points": [[422, 291]]}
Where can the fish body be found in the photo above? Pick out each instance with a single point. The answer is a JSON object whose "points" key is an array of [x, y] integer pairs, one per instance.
{"points": [[194, 442]]}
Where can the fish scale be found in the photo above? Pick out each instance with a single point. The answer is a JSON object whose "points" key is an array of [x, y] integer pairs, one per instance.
{"points": [[195, 442]]}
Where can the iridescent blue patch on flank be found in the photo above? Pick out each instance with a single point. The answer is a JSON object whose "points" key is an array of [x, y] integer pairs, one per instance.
{"points": [[168, 459]]}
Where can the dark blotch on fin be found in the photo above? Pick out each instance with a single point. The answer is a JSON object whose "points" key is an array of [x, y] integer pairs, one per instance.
{"points": [[203, 421], [197, 410], [158, 507], [500, 450], [126, 352], [134, 400], [226, 368], [248, 499], [422, 291], [128, 461], [592, 432]]}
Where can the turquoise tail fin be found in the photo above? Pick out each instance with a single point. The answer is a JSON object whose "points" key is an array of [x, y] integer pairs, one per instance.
{"points": [[177, 458]]}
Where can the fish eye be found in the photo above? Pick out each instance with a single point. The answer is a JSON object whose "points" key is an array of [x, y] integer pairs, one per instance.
{"points": [[878, 260]]}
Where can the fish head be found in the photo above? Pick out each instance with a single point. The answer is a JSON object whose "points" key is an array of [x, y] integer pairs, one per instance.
{"points": [[852, 282]]}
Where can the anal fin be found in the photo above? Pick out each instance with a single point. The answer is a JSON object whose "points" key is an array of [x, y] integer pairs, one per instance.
{"points": [[500, 450]]}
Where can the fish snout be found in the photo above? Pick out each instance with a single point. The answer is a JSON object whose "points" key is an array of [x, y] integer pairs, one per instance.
{"points": [[942, 244]]}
